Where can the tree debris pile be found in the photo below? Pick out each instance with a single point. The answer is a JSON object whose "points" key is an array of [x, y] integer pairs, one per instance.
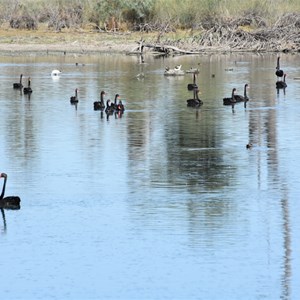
{"points": [[248, 33], [284, 35]]}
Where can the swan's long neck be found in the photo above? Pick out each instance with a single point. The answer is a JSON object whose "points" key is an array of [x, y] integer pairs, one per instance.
{"points": [[4, 184], [102, 97], [245, 91], [232, 95], [278, 66]]}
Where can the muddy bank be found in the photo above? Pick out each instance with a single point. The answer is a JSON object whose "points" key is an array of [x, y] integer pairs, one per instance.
{"points": [[46, 49], [237, 35]]}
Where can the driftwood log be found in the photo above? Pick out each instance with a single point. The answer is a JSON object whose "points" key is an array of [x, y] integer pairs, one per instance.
{"points": [[161, 48]]}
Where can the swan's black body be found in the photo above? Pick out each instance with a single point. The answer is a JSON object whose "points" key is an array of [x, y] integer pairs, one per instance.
{"points": [[9, 202], [28, 90], [74, 99], [99, 105], [18, 85]]}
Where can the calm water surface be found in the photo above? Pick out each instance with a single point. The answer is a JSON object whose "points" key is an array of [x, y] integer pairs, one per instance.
{"points": [[163, 202]]}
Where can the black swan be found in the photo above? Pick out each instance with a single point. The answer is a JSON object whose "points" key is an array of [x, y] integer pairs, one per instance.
{"points": [[18, 85], [99, 105], [196, 101], [281, 84], [115, 104], [109, 109], [192, 86], [230, 100], [28, 90], [120, 107], [239, 98], [9, 202], [74, 99], [279, 73]]}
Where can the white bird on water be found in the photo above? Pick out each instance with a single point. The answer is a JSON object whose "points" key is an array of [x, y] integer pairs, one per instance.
{"points": [[55, 73]]}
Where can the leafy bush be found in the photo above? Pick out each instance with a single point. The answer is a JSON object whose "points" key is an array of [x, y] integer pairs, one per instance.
{"points": [[141, 14]]}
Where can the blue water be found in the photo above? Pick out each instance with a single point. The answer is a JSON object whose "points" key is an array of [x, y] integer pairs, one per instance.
{"points": [[162, 202]]}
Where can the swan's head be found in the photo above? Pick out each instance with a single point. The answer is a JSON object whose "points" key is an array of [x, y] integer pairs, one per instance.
{"points": [[3, 175]]}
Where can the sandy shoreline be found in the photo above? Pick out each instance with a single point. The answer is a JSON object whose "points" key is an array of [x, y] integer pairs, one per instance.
{"points": [[14, 42], [17, 49]]}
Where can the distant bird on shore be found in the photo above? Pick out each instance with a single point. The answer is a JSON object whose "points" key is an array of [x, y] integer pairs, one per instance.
{"points": [[18, 85], [279, 72]]}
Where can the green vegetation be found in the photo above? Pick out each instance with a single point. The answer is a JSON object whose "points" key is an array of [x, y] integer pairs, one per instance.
{"points": [[142, 15]]}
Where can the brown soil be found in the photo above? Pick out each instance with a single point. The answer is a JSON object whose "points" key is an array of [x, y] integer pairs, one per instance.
{"points": [[15, 41]]}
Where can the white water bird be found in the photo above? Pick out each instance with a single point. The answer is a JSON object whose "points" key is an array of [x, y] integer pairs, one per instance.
{"points": [[55, 72]]}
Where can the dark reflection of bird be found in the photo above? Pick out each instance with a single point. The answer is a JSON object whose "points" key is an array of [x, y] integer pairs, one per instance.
{"points": [[28, 90], [196, 101], [279, 72], [74, 99], [99, 105], [4, 220], [249, 146], [281, 84], [18, 85]]}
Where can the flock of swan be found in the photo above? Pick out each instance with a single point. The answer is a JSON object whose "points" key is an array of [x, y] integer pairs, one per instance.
{"points": [[196, 102], [234, 98], [111, 107]]}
